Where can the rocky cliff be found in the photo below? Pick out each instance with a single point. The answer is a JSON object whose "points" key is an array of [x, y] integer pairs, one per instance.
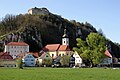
{"points": [[39, 30]]}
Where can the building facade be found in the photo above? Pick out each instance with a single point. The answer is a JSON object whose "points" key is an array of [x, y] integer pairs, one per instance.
{"points": [[14, 48], [29, 60], [78, 59], [38, 11]]}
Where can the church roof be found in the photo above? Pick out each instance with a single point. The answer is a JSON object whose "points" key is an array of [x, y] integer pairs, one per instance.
{"points": [[64, 48], [51, 47]]}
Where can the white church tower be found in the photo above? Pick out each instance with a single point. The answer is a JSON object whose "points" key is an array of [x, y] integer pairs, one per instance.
{"points": [[65, 38]]}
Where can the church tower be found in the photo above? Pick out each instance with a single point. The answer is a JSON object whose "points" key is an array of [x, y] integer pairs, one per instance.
{"points": [[65, 38]]}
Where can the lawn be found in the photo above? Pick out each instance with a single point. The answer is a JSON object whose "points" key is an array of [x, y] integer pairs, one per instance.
{"points": [[59, 74]]}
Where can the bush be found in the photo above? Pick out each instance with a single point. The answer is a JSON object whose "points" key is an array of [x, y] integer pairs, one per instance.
{"points": [[47, 62], [20, 64], [65, 60]]}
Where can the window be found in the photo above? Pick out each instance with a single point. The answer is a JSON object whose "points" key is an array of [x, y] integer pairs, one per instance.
{"points": [[52, 55], [59, 54], [32, 60]]}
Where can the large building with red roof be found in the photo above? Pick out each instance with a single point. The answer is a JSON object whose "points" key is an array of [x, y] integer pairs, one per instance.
{"points": [[14, 48], [57, 49]]}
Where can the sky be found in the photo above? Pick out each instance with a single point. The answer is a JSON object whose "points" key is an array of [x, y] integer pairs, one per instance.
{"points": [[102, 14]]}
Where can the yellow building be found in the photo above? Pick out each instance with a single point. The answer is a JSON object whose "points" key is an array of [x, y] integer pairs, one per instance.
{"points": [[57, 49]]}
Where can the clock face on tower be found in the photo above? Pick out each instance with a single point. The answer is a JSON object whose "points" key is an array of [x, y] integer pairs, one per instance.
{"points": [[65, 39]]}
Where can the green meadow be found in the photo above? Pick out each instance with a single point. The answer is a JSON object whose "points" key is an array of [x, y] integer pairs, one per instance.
{"points": [[59, 74]]}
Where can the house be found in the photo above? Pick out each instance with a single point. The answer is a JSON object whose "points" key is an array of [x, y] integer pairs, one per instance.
{"points": [[38, 11], [35, 55], [78, 59], [56, 61], [6, 60], [45, 59], [8, 63], [72, 61], [29, 60], [14, 48]]}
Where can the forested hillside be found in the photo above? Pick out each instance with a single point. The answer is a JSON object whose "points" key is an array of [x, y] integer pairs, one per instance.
{"points": [[40, 29]]}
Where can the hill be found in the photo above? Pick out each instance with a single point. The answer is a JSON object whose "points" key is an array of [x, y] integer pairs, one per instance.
{"points": [[40, 29]]}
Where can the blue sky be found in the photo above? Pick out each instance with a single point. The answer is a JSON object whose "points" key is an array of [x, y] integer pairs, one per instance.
{"points": [[102, 14]]}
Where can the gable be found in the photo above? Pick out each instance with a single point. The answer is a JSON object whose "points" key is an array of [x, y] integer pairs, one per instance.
{"points": [[28, 56], [45, 56]]}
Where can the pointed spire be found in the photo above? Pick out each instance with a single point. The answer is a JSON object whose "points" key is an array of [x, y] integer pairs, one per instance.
{"points": [[65, 34]]}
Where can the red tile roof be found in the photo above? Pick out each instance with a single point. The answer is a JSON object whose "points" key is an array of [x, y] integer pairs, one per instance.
{"points": [[64, 48], [41, 52], [107, 53], [43, 55], [35, 55], [17, 44], [5, 56], [51, 47]]}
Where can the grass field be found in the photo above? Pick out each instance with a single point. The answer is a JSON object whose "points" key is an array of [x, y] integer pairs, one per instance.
{"points": [[59, 74]]}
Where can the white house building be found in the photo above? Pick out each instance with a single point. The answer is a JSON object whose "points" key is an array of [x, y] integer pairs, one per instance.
{"points": [[14, 48], [29, 60], [78, 59]]}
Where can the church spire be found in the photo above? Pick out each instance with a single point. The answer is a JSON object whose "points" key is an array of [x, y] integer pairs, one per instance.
{"points": [[65, 34]]}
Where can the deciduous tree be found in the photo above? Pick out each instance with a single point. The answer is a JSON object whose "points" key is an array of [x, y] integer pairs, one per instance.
{"points": [[93, 48]]}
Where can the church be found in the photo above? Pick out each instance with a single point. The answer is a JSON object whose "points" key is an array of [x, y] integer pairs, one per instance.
{"points": [[59, 49]]}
